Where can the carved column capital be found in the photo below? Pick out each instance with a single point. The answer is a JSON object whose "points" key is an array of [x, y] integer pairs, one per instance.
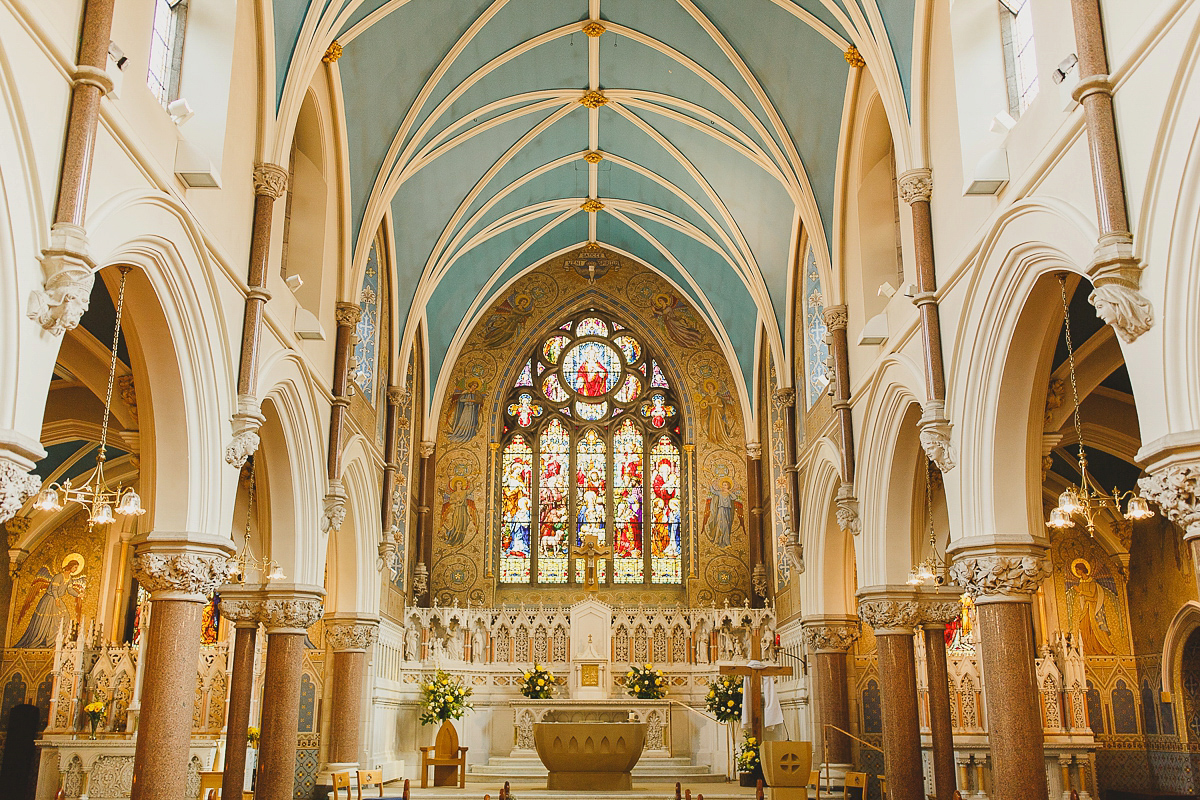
{"points": [[427, 449], [938, 612], [292, 610], [69, 277], [17, 485], [916, 185], [831, 636], [1174, 490], [397, 396], [270, 180], [935, 435], [784, 398], [190, 575], [889, 614], [247, 422], [836, 317], [347, 314], [353, 635], [847, 509], [754, 450], [1001, 576]]}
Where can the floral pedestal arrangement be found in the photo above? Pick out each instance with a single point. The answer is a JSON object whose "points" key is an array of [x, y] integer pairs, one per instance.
{"points": [[538, 683], [442, 699], [748, 763], [645, 683]]}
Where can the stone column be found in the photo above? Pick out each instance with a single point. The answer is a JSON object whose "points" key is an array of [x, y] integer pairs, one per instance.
{"points": [[836, 318], [288, 612], [395, 396], [785, 404], [350, 638], [754, 502], [828, 640], [1003, 574], [1173, 484], [348, 315], [244, 607], [936, 613], [424, 548], [1114, 272], [270, 183], [179, 576], [916, 189], [893, 614]]}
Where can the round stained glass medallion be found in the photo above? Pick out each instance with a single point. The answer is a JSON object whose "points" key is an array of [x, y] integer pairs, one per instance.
{"points": [[592, 369], [554, 391]]}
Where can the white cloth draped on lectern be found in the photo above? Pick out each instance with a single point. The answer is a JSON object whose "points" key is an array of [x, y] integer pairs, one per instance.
{"points": [[772, 711]]}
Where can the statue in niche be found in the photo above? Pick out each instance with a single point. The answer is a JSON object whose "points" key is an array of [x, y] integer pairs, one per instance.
{"points": [[460, 519], [59, 599], [463, 410], [724, 645], [437, 650], [739, 646], [454, 645], [723, 512], [718, 413], [1093, 609], [412, 644], [702, 654], [478, 645]]}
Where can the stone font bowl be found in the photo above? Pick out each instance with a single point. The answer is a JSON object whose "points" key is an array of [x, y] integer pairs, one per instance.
{"points": [[589, 756]]}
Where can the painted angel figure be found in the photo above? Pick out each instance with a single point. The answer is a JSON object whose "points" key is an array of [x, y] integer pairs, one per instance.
{"points": [[463, 410], [507, 319], [460, 519], [59, 599], [722, 510], [677, 320]]}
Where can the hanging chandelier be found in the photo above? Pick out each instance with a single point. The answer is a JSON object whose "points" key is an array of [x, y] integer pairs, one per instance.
{"points": [[933, 568], [1085, 500], [100, 500], [241, 564]]}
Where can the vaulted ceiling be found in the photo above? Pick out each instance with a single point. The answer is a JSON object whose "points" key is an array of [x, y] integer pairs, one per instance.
{"points": [[469, 124]]}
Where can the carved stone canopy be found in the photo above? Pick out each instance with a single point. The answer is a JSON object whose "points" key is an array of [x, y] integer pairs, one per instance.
{"points": [[831, 636]]}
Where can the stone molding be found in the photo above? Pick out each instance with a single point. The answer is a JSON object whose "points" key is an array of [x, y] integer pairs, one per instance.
{"points": [[292, 612], [1174, 490], [831, 637], [916, 185], [889, 614], [17, 485], [1000, 576], [190, 576], [350, 636], [270, 180]]}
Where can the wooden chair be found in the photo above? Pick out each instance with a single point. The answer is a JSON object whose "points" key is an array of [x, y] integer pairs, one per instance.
{"points": [[341, 780], [855, 780], [370, 777], [447, 758], [210, 785]]}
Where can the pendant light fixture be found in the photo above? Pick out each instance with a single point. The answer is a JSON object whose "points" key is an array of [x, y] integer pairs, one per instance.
{"points": [[932, 569], [245, 560]]}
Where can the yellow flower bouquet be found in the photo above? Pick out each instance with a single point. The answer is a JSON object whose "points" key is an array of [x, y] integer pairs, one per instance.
{"points": [[444, 697], [724, 698], [645, 682], [95, 711], [538, 683], [253, 734]]}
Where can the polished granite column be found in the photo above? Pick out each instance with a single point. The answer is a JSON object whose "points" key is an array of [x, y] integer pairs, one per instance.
{"points": [[938, 611], [243, 606], [288, 613], [828, 640], [350, 639], [180, 577], [1002, 573], [893, 614]]}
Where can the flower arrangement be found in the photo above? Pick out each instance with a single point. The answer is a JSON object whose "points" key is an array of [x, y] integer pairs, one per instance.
{"points": [[645, 683], [724, 699], [747, 757], [95, 711], [538, 683], [444, 698], [252, 736]]}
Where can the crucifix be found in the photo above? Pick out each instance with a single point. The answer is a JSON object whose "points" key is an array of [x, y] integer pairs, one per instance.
{"points": [[591, 550], [752, 682]]}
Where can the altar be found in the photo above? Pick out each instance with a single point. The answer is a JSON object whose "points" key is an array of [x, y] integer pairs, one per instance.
{"points": [[655, 713]]}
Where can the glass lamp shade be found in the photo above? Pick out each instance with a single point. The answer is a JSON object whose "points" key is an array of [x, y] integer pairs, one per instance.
{"points": [[1060, 519], [103, 515], [913, 580], [131, 504], [1068, 502], [276, 573], [48, 500], [924, 572], [1138, 508]]}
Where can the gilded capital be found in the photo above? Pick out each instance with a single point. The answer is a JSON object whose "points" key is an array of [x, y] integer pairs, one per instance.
{"points": [[270, 180], [836, 317], [347, 314], [784, 398], [916, 185]]}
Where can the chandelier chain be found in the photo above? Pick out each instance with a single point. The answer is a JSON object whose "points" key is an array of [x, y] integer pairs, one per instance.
{"points": [[1062, 285], [112, 364]]}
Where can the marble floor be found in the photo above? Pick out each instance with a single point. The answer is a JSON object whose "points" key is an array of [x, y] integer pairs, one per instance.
{"points": [[538, 791]]}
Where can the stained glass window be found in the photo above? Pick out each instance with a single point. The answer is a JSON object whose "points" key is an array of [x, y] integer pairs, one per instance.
{"points": [[816, 350], [588, 420], [516, 514], [367, 331]]}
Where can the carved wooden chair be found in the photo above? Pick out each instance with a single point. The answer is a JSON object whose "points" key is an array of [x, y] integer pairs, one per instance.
{"points": [[858, 782], [341, 780], [210, 785], [447, 758], [370, 777]]}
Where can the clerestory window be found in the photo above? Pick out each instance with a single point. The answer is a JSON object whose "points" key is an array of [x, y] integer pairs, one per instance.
{"points": [[591, 448], [166, 49], [1020, 56]]}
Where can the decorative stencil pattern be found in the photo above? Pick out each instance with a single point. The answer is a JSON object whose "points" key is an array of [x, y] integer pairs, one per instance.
{"points": [[816, 349], [366, 346]]}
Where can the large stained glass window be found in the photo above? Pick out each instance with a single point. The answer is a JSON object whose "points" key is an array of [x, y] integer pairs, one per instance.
{"points": [[592, 430], [816, 349], [366, 334]]}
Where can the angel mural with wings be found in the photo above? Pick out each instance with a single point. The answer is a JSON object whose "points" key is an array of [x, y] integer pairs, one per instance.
{"points": [[722, 512], [507, 319], [59, 599], [460, 518]]}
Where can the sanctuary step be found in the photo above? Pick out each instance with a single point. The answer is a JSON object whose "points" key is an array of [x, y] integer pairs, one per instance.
{"points": [[647, 770], [650, 790]]}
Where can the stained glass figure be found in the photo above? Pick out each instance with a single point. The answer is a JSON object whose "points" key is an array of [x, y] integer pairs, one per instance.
{"points": [[665, 545], [367, 331], [628, 559], [657, 410], [630, 347], [526, 376], [516, 514], [554, 390], [657, 379], [591, 327], [553, 515], [629, 390], [591, 411], [592, 369], [816, 350], [525, 410], [591, 468], [552, 348]]}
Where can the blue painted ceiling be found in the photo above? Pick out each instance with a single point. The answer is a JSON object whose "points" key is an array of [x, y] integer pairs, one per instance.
{"points": [[719, 135]]}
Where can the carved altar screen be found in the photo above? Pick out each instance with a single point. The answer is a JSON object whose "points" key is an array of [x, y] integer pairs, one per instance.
{"points": [[590, 402]]}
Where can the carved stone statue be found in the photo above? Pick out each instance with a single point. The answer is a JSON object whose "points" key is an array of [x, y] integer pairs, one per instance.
{"points": [[454, 645], [412, 644], [478, 646], [724, 645]]}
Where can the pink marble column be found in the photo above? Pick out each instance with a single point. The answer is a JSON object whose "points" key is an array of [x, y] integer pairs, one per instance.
{"points": [[350, 639], [1003, 577], [179, 576], [289, 612], [244, 607], [936, 614], [836, 319], [760, 585], [893, 615], [828, 640]]}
